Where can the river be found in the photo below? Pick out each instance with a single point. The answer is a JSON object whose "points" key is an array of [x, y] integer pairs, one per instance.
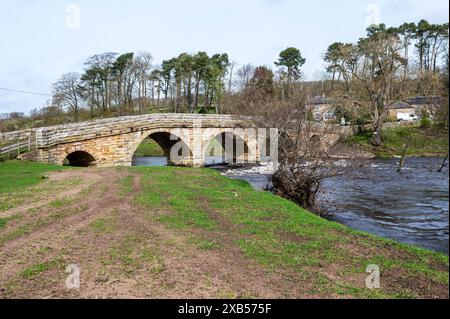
{"points": [[410, 207]]}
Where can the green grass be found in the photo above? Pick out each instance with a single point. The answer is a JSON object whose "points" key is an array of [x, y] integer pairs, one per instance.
{"points": [[132, 253], [41, 267], [107, 224], [126, 185], [149, 148], [6, 220], [273, 231], [38, 222], [103, 225], [181, 201], [21, 181], [60, 202], [18, 174], [204, 244], [429, 141]]}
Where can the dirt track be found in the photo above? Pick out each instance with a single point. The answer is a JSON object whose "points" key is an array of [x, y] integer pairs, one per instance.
{"points": [[128, 255], [91, 218]]}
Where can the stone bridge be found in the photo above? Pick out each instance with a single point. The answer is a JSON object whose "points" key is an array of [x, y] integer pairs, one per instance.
{"points": [[113, 141]]}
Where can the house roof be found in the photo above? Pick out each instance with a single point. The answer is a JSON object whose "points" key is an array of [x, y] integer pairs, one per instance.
{"points": [[401, 105], [412, 102], [318, 100], [422, 100]]}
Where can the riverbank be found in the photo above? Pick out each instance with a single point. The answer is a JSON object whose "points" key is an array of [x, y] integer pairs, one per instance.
{"points": [[429, 141], [409, 207], [184, 232]]}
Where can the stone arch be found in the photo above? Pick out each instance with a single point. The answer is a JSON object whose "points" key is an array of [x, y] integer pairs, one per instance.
{"points": [[230, 138], [162, 138], [80, 159], [79, 155]]}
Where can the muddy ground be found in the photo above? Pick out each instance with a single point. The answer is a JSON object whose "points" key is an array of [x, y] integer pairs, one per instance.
{"points": [[90, 218]]}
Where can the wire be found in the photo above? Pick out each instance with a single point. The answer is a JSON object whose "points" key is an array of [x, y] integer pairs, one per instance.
{"points": [[25, 92]]}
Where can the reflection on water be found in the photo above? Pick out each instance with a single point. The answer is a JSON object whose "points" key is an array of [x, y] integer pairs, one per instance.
{"points": [[162, 161], [410, 207], [149, 161]]}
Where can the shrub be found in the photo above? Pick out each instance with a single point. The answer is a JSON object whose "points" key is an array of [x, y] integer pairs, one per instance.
{"points": [[425, 121]]}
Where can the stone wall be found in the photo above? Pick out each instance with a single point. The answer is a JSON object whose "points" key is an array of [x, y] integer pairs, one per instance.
{"points": [[54, 135]]}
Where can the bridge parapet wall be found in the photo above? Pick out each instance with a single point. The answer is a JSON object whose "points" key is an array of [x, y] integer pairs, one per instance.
{"points": [[50, 136], [113, 141], [16, 135]]}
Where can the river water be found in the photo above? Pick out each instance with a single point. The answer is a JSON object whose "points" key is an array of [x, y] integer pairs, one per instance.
{"points": [[410, 207]]}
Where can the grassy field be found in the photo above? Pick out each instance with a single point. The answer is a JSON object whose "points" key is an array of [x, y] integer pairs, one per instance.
{"points": [[185, 232], [149, 148], [15, 174], [423, 142]]}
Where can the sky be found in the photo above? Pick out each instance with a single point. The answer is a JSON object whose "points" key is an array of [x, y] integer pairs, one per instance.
{"points": [[42, 39]]}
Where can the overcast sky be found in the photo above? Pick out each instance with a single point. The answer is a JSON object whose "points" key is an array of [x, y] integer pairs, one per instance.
{"points": [[41, 39]]}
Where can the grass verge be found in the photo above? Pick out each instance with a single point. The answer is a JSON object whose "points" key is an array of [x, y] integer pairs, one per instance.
{"points": [[278, 234], [17, 174], [423, 142]]}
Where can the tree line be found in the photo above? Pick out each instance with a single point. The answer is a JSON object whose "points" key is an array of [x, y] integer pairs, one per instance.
{"points": [[364, 80], [129, 84], [388, 65]]}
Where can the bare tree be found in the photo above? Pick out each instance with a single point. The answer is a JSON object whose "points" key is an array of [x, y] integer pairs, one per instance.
{"points": [[304, 147], [143, 67], [67, 92], [244, 75], [370, 72]]}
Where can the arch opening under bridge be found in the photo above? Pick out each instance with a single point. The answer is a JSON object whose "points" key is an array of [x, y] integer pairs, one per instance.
{"points": [[226, 148], [79, 159], [160, 148]]}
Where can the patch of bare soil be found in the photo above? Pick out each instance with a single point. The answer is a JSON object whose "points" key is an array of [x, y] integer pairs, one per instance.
{"points": [[50, 240], [45, 198], [394, 279], [132, 256], [124, 252]]}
